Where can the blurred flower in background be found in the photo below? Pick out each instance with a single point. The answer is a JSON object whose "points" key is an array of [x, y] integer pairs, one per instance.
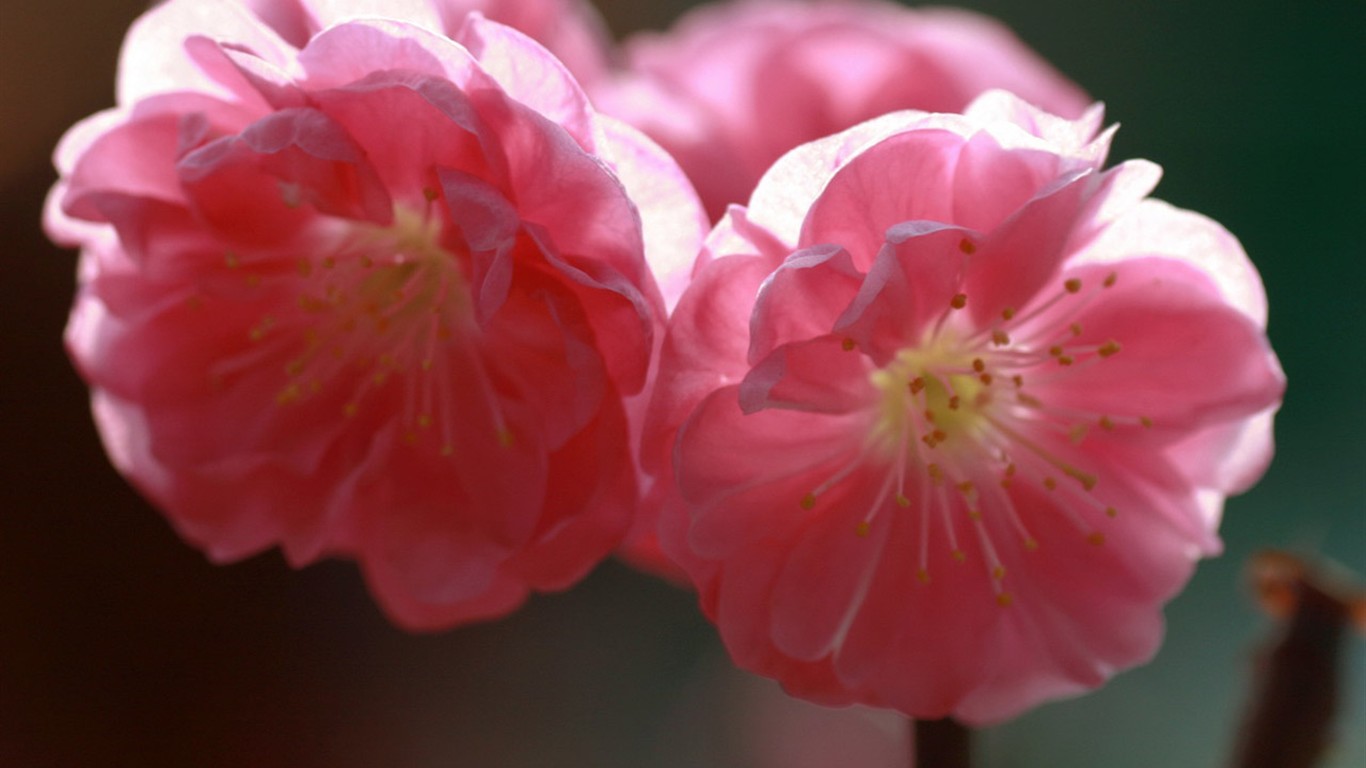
{"points": [[731, 86]]}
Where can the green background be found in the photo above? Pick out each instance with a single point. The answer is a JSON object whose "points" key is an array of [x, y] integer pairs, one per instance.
{"points": [[119, 645]]}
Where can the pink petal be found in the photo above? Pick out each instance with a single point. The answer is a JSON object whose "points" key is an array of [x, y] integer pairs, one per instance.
{"points": [[802, 299], [330, 13], [530, 74], [787, 190], [912, 283], [144, 148], [672, 218], [903, 178], [253, 189], [1154, 228], [1176, 336], [992, 182], [827, 574], [1016, 261], [704, 349], [733, 491], [818, 375], [153, 58], [346, 54], [581, 523]]}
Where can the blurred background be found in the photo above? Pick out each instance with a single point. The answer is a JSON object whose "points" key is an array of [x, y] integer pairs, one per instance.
{"points": [[119, 645]]}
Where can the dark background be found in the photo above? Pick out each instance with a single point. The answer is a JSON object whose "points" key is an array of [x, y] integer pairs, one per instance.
{"points": [[119, 645]]}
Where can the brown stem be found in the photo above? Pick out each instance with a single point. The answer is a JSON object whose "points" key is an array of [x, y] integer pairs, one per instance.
{"points": [[1289, 722], [940, 744]]}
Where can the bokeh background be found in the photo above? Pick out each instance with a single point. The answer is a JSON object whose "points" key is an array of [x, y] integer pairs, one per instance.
{"points": [[119, 645]]}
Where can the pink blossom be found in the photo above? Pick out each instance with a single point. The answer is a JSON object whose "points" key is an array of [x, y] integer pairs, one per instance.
{"points": [[734, 85], [953, 412], [357, 288], [570, 29]]}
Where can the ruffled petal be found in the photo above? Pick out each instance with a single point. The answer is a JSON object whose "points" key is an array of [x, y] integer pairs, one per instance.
{"points": [[1155, 228], [802, 299], [906, 177], [1185, 359]]}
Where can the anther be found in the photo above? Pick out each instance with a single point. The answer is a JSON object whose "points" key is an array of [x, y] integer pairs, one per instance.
{"points": [[1000, 338], [958, 555], [1108, 348], [978, 365], [1072, 285], [959, 301], [1096, 538], [936, 474], [1007, 313], [1111, 512], [967, 246], [953, 402], [808, 501], [287, 395], [1110, 279], [1050, 483], [985, 379], [1075, 328], [847, 344], [1065, 360], [917, 385], [998, 573], [923, 575], [1145, 421], [1087, 480], [430, 194], [862, 529], [1004, 599]]}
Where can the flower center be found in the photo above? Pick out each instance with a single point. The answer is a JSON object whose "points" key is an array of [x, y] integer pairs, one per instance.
{"points": [[381, 321], [936, 392], [966, 415]]}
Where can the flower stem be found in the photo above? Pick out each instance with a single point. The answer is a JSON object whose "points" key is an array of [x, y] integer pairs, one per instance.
{"points": [[1289, 722], [940, 744]]}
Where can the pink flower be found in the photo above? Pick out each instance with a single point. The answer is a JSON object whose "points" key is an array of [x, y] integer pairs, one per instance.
{"points": [[570, 29], [736, 84], [953, 412], [370, 291]]}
